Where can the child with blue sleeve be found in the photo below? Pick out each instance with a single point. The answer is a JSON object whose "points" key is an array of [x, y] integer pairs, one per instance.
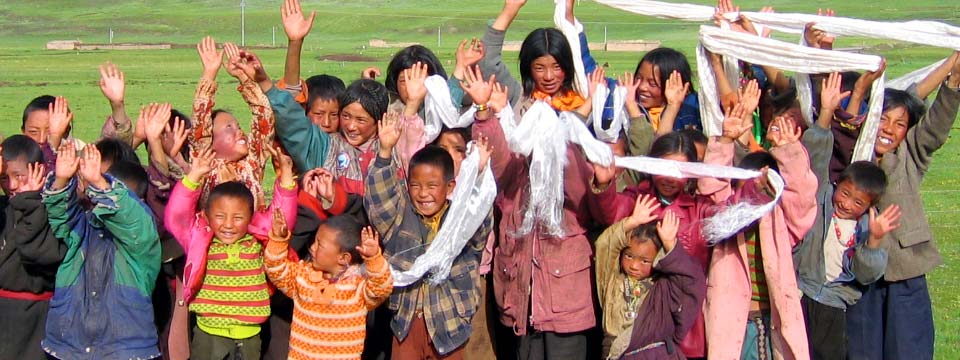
{"points": [[101, 308]]}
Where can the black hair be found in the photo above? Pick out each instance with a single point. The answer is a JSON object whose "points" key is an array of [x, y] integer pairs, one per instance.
{"points": [[666, 61], [132, 175], [866, 176], [463, 132], [115, 150], [19, 147], [674, 143], [347, 231], [543, 42], [758, 160], [646, 232], [405, 59], [848, 79], [781, 100], [324, 88], [39, 103], [434, 156], [187, 124], [232, 189], [694, 135], [371, 95], [215, 112], [893, 98]]}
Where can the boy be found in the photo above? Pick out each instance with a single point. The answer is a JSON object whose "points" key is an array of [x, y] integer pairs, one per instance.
{"points": [[639, 269], [430, 321], [843, 251], [29, 253], [111, 264], [46, 120], [893, 319], [224, 280], [332, 291]]}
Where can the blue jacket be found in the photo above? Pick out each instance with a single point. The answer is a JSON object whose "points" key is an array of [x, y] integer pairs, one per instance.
{"points": [[101, 307]]}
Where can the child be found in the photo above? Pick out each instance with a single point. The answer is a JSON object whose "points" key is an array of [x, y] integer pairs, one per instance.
{"points": [[111, 264], [642, 276], [332, 292], [430, 321], [893, 319], [322, 104], [752, 309], [224, 280], [46, 120], [238, 157], [29, 254]]}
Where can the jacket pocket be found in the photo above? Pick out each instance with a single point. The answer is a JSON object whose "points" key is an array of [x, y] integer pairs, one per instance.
{"points": [[569, 282], [463, 291]]}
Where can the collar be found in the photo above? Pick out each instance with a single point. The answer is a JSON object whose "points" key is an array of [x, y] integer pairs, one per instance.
{"points": [[245, 241], [433, 222], [561, 101]]}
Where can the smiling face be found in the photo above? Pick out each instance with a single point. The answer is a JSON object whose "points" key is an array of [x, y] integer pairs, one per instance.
{"points": [[893, 128], [326, 115], [849, 201], [649, 92], [14, 176], [37, 125], [547, 74], [229, 141], [356, 125], [669, 187], [326, 254], [637, 259], [229, 218], [428, 190]]}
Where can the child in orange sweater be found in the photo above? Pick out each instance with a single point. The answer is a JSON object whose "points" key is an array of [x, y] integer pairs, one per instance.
{"points": [[332, 292]]}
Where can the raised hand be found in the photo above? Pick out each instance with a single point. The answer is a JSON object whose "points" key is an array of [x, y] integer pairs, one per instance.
{"points": [[817, 38], [370, 73], [603, 175], [597, 77], [369, 242], [155, 117], [667, 230], [236, 65], [294, 23], [830, 94], [478, 89], [67, 162], [90, 168], [251, 59], [676, 90], [631, 83], [283, 166], [865, 81], [750, 96], [469, 53], [735, 123], [201, 165], [783, 132], [36, 175], [643, 212], [324, 184], [414, 79], [389, 131], [60, 119], [279, 230], [112, 83], [499, 97], [177, 135], [882, 224], [210, 57], [482, 144]]}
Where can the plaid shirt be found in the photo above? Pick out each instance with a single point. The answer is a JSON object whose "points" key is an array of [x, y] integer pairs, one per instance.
{"points": [[448, 308]]}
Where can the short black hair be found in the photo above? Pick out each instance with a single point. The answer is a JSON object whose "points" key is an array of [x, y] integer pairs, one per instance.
{"points": [[371, 95], [543, 42], [647, 232], [674, 143], [893, 98], [132, 175], [758, 160], [666, 61], [405, 59], [434, 156], [22, 147], [324, 88], [866, 176], [38, 103], [215, 112], [347, 231], [114, 150], [231, 189]]}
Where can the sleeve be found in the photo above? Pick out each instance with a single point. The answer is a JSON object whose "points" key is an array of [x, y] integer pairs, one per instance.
{"points": [[608, 247], [411, 139], [456, 92], [798, 202], [118, 129], [284, 199], [384, 197], [179, 215], [819, 144], [718, 153], [687, 289], [31, 231], [492, 63], [933, 130], [640, 137], [307, 144], [299, 91], [503, 163], [868, 264], [202, 128], [64, 212], [261, 125], [279, 268], [479, 240], [379, 282], [589, 63], [130, 222]]}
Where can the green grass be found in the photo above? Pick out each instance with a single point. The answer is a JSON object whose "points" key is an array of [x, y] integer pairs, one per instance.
{"points": [[27, 70]]}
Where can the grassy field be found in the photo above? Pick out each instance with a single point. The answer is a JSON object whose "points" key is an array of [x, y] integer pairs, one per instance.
{"points": [[344, 28]]}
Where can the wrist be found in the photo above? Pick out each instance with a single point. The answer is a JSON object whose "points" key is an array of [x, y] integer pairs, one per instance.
{"points": [[385, 152], [99, 183], [116, 104], [954, 81], [726, 139], [295, 41], [210, 74], [458, 72]]}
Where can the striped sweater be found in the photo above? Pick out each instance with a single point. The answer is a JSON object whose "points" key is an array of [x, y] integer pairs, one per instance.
{"points": [[234, 298], [329, 318]]}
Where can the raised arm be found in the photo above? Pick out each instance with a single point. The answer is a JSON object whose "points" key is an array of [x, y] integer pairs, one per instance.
{"points": [[60, 197], [870, 258], [203, 98], [614, 239], [818, 139], [180, 213], [297, 27], [930, 83], [798, 201], [927, 136], [306, 143], [384, 197], [280, 269], [720, 152], [379, 282], [492, 63], [31, 231], [112, 85]]}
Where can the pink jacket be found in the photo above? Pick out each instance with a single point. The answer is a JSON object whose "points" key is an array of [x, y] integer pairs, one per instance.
{"points": [[194, 235], [561, 295], [728, 279]]}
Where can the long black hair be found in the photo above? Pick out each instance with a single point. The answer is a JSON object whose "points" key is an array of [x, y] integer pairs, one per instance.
{"points": [[405, 59], [666, 61], [542, 42]]}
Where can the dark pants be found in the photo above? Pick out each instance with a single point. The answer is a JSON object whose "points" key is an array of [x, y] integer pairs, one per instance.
{"points": [[275, 333], [893, 320], [22, 326], [211, 347], [826, 330], [536, 345], [379, 340]]}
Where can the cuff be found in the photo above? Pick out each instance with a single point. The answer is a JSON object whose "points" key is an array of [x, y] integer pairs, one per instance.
{"points": [[189, 184]]}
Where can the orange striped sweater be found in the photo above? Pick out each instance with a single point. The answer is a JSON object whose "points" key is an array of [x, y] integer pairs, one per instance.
{"points": [[329, 318]]}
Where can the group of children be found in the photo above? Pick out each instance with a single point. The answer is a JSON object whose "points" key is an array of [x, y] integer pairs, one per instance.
{"points": [[189, 256]]}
